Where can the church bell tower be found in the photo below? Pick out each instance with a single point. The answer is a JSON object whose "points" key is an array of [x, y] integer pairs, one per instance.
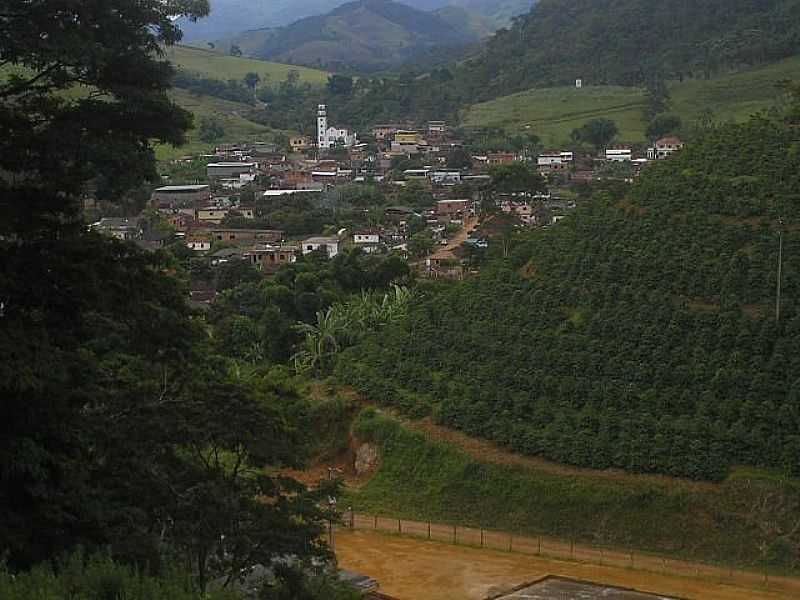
{"points": [[322, 126]]}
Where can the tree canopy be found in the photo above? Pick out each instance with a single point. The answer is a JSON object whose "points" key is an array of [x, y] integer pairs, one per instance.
{"points": [[639, 333], [84, 95]]}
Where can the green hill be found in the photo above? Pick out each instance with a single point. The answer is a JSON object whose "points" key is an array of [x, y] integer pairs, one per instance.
{"points": [[637, 334], [630, 42], [230, 114], [553, 113], [367, 34], [223, 67]]}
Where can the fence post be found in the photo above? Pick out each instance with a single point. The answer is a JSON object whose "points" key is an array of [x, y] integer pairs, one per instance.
{"points": [[539, 547], [455, 537], [601, 556], [376, 523], [429, 530], [510, 541], [632, 560], [352, 520], [664, 564], [481, 537], [399, 527]]}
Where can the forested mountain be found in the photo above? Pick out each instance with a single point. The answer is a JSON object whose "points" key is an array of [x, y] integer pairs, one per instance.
{"points": [[639, 334], [366, 34], [630, 42], [231, 17], [462, 19], [228, 18]]}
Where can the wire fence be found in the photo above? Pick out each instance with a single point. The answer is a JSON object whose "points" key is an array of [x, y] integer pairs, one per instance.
{"points": [[569, 550]]}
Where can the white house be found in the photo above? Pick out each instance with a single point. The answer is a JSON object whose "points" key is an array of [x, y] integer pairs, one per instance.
{"points": [[549, 159], [275, 193], [446, 177], [330, 244], [619, 154], [664, 148], [199, 245], [329, 137], [367, 236]]}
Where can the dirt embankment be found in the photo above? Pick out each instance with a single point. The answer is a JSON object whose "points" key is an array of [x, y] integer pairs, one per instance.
{"points": [[486, 451]]}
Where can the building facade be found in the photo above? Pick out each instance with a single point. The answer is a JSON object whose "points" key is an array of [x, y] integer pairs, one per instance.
{"points": [[330, 137]]}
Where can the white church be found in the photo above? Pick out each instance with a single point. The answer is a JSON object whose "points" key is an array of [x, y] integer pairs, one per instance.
{"points": [[328, 137]]}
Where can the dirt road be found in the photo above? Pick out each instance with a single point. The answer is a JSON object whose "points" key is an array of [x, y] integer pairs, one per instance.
{"points": [[413, 569], [459, 238]]}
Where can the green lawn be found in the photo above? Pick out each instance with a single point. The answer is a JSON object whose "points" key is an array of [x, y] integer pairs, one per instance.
{"points": [[237, 127], [223, 67], [553, 113]]}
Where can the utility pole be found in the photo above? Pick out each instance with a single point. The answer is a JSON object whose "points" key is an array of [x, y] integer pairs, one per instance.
{"points": [[780, 272]]}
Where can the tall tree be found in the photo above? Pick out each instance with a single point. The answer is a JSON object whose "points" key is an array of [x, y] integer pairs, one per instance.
{"points": [[516, 178], [108, 55], [251, 80], [597, 132], [114, 416]]}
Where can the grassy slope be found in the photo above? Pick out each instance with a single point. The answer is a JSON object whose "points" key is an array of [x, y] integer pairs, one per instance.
{"points": [[430, 480], [735, 96], [553, 113], [237, 128], [221, 66]]}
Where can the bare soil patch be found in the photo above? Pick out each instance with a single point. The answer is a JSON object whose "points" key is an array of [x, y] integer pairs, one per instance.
{"points": [[413, 569]]}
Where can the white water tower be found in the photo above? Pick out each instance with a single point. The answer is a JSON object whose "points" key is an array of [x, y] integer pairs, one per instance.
{"points": [[578, 83]]}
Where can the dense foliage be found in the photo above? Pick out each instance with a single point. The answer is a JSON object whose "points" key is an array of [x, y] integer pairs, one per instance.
{"points": [[96, 578], [749, 520], [122, 428], [255, 319], [639, 334], [233, 90], [629, 42], [85, 104]]}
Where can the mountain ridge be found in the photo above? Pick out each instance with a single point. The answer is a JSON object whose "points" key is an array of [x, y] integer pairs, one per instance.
{"points": [[229, 18], [364, 34]]}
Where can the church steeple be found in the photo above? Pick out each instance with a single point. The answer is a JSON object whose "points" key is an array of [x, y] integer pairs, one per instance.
{"points": [[322, 126]]}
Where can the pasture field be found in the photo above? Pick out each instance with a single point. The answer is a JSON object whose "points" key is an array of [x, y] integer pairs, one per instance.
{"points": [[215, 65], [230, 114], [552, 113]]}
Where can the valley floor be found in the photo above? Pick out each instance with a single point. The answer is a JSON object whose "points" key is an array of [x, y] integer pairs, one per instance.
{"points": [[412, 569]]}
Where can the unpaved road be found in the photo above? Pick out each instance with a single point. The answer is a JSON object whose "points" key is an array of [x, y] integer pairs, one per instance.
{"points": [[413, 569], [489, 452]]}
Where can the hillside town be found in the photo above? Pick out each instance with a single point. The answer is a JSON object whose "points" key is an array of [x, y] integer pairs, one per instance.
{"points": [[400, 300], [427, 194]]}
